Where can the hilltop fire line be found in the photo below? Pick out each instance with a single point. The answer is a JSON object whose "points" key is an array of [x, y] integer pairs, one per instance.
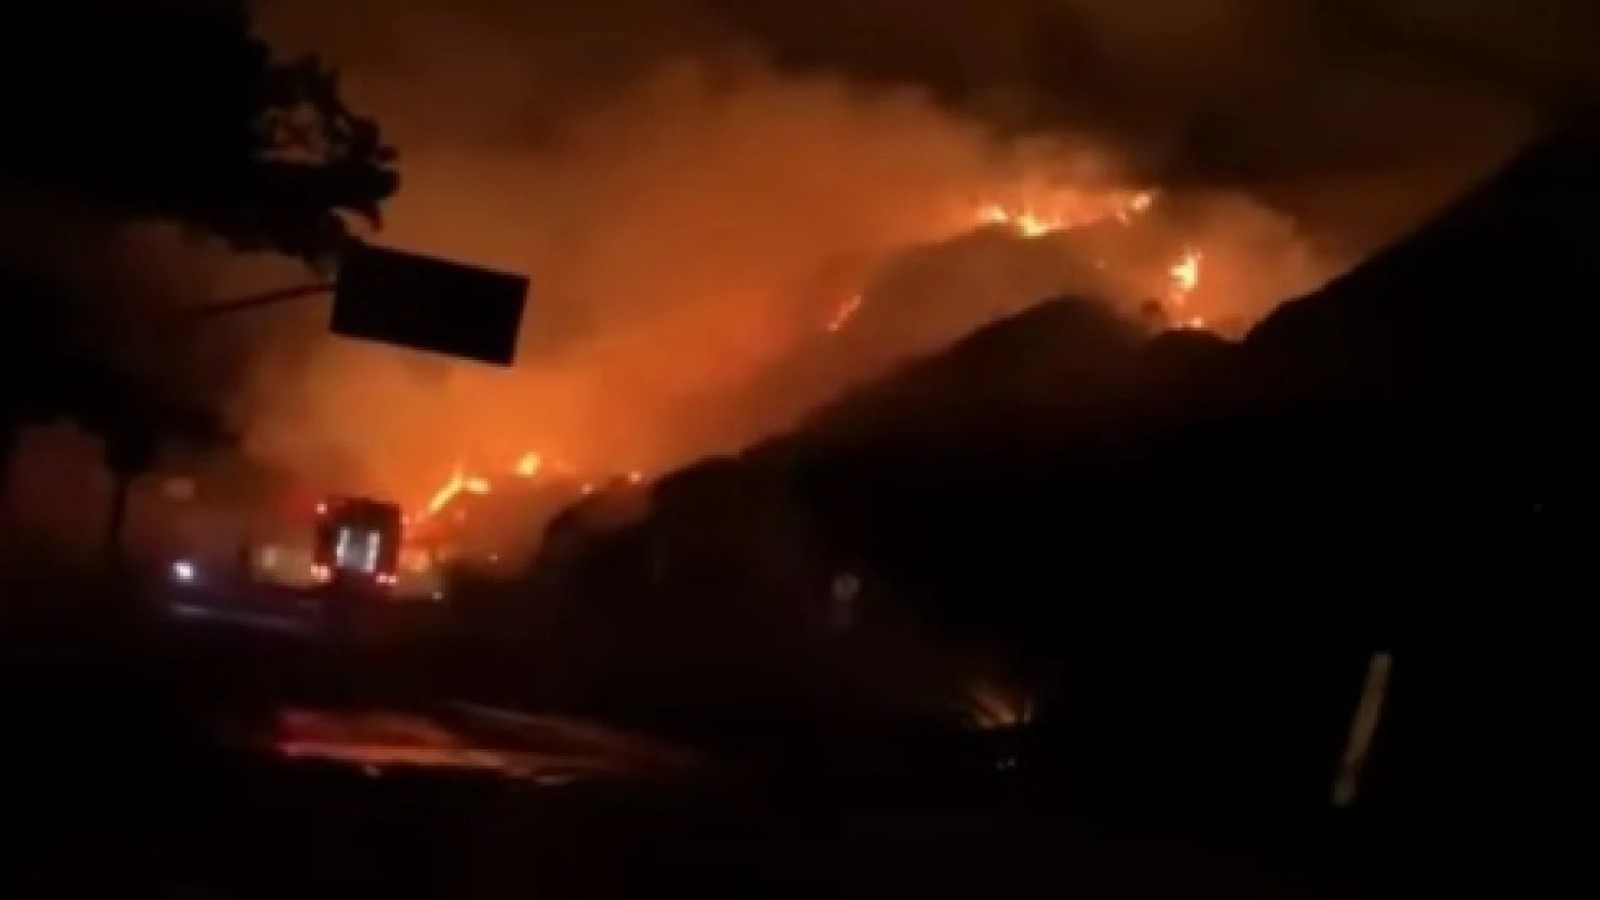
{"points": [[435, 518], [486, 516], [1030, 221], [434, 511]]}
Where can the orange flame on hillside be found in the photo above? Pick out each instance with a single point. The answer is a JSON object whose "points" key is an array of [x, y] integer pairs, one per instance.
{"points": [[1184, 277], [1031, 220], [457, 484], [846, 311], [447, 492], [1034, 218], [529, 465], [1025, 221], [1186, 272], [1039, 215]]}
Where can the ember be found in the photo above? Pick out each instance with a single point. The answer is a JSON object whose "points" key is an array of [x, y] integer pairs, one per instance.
{"points": [[1038, 219], [529, 465], [844, 313], [1185, 278]]}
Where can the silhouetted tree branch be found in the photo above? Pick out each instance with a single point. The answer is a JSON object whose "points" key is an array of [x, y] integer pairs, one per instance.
{"points": [[172, 109]]}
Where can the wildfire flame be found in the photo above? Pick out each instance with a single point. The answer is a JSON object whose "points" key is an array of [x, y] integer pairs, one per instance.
{"points": [[990, 705], [1036, 216], [1030, 221], [1184, 278], [457, 484], [1025, 221], [529, 465], [447, 491], [1186, 273], [1136, 203], [846, 311]]}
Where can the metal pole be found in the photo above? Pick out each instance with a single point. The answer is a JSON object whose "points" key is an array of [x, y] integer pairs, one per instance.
{"points": [[117, 517], [116, 520]]}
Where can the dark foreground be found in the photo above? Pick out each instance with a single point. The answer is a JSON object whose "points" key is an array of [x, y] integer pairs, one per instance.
{"points": [[162, 767]]}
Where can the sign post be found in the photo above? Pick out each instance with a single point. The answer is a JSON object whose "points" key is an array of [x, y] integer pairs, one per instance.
{"points": [[429, 304], [390, 296], [410, 300]]}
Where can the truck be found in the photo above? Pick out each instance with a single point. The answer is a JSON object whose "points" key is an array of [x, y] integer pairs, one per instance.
{"points": [[345, 548], [356, 544]]}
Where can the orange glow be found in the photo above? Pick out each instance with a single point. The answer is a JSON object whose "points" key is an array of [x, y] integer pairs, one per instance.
{"points": [[993, 214], [447, 492], [844, 313], [376, 740], [1025, 221], [994, 705], [529, 465], [1135, 204], [458, 483], [416, 561], [1031, 220], [1183, 279], [635, 477], [1185, 272]]}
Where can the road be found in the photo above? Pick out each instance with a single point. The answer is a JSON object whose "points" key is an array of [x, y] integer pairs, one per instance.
{"points": [[546, 750]]}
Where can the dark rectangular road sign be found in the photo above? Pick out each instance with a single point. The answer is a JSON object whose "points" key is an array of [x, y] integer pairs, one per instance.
{"points": [[429, 304]]}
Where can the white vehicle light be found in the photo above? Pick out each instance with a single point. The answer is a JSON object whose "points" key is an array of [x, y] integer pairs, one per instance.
{"points": [[184, 572]]}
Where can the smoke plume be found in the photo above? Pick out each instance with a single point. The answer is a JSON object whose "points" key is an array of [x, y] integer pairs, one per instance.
{"points": [[712, 196]]}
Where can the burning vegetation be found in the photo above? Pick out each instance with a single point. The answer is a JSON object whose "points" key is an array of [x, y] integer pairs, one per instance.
{"points": [[446, 508], [729, 220], [716, 247]]}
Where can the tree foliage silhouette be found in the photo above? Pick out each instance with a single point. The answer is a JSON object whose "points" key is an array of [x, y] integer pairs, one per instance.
{"points": [[175, 110], [122, 111]]}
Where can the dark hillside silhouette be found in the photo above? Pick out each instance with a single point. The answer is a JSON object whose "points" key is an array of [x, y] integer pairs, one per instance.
{"points": [[1194, 546], [1482, 311]]}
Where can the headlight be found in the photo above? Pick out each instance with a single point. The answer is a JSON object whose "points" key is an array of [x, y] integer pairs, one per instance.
{"points": [[184, 572]]}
